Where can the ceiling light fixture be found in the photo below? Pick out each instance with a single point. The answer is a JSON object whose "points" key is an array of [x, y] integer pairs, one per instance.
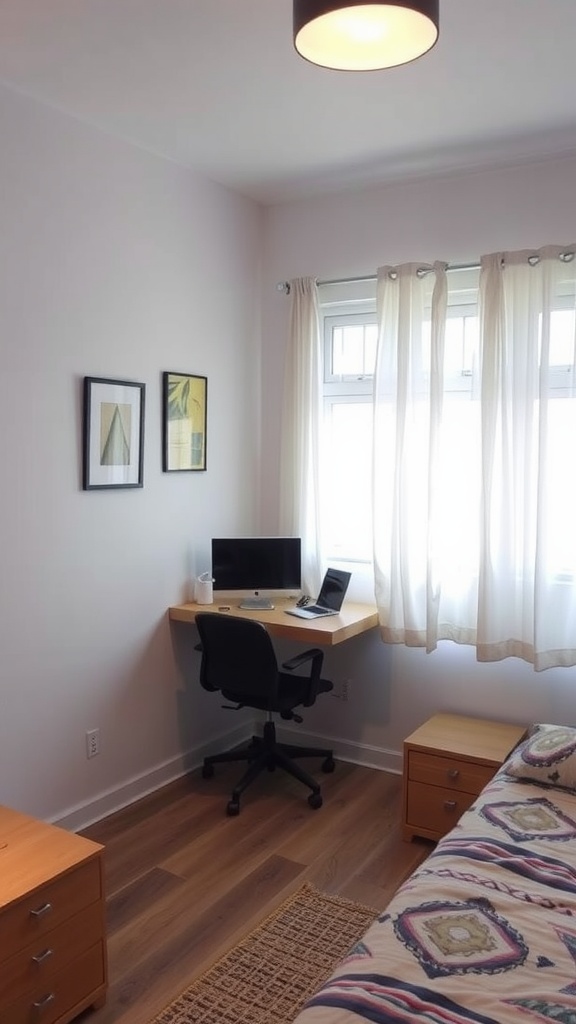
{"points": [[355, 35]]}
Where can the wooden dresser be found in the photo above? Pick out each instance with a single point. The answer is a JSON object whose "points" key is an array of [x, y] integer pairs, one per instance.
{"points": [[52, 923], [447, 761]]}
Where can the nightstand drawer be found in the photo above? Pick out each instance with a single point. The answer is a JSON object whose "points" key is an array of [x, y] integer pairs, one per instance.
{"points": [[447, 762], [432, 809], [37, 914], [448, 772]]}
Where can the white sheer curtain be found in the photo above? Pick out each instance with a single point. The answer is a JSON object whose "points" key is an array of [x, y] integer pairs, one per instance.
{"points": [[527, 594], [425, 571], [300, 468], [475, 488]]}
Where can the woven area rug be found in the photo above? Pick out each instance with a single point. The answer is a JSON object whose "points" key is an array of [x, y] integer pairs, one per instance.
{"points": [[268, 977]]}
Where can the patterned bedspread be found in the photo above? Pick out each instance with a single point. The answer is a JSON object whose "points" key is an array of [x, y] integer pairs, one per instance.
{"points": [[484, 931]]}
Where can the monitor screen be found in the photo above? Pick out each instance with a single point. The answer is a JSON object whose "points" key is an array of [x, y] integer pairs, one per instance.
{"points": [[245, 566]]}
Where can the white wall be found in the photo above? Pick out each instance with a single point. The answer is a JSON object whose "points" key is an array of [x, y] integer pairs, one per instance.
{"points": [[457, 219], [113, 263]]}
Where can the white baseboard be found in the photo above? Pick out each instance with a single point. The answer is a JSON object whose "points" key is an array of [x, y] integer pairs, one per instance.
{"points": [[345, 750], [116, 798]]}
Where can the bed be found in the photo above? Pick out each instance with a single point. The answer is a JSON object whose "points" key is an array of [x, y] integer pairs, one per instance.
{"points": [[485, 930]]}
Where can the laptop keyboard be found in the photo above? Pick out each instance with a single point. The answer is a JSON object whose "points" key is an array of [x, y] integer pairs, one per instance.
{"points": [[317, 609]]}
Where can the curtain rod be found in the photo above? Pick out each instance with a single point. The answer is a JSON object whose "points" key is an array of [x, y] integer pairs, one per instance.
{"points": [[372, 277], [284, 286]]}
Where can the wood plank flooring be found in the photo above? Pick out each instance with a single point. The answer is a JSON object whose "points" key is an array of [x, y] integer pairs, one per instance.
{"points": [[185, 882]]}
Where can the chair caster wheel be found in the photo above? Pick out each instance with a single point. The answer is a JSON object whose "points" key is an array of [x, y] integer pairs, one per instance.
{"points": [[328, 765], [233, 808], [315, 801], [207, 771]]}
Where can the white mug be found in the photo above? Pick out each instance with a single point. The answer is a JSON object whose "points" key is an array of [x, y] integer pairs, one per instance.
{"points": [[203, 589]]}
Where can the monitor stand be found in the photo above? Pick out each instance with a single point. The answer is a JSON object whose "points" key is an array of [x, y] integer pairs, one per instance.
{"points": [[256, 604]]}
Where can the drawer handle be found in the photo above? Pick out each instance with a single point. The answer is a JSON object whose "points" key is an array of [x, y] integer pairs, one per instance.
{"points": [[41, 957], [450, 805], [453, 773], [41, 1004], [40, 911]]}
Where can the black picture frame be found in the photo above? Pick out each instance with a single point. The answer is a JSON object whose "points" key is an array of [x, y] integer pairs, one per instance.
{"points": [[184, 422], [113, 433]]}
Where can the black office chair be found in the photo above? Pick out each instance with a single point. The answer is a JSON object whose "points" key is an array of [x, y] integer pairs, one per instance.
{"points": [[238, 659]]}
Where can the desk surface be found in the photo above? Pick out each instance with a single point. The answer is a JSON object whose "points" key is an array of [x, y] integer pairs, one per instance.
{"points": [[353, 619]]}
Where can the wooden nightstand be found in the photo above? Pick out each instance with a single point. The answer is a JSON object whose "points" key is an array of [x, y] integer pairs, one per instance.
{"points": [[447, 761], [52, 931]]}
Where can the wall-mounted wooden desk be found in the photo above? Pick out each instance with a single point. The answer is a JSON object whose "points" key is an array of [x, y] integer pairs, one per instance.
{"points": [[352, 620]]}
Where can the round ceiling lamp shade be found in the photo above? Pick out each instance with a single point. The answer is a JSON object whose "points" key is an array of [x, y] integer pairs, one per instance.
{"points": [[354, 35]]}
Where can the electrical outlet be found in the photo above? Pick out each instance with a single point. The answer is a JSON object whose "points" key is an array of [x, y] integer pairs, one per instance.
{"points": [[92, 742]]}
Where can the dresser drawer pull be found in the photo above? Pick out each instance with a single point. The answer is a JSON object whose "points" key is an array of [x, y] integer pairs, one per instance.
{"points": [[40, 911], [41, 957], [450, 805], [41, 1004], [453, 773]]}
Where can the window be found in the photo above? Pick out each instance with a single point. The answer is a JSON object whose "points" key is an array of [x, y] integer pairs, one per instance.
{"points": [[452, 421], [350, 336]]}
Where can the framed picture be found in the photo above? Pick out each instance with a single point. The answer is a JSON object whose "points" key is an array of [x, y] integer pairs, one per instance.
{"points": [[113, 433], [184, 427]]}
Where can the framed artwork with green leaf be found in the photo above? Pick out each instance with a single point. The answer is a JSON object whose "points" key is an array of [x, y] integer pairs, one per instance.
{"points": [[184, 422]]}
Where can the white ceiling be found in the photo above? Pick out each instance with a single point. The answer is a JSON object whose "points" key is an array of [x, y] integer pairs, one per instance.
{"points": [[216, 85]]}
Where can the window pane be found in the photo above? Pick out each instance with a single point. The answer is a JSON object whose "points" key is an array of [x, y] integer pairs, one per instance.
{"points": [[458, 491], [562, 337], [353, 350], [347, 468], [461, 341], [461, 346], [560, 493], [370, 341], [562, 357]]}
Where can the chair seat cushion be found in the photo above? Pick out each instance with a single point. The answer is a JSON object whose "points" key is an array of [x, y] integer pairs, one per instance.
{"points": [[292, 692]]}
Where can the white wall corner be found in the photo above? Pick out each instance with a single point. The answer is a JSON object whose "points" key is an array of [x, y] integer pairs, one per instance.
{"points": [[347, 750]]}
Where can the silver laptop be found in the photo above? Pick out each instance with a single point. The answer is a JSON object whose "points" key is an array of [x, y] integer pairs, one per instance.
{"points": [[330, 598]]}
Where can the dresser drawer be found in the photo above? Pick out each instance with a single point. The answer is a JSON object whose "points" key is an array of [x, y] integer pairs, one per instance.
{"points": [[41, 960], [33, 917], [448, 772], [435, 810], [68, 992]]}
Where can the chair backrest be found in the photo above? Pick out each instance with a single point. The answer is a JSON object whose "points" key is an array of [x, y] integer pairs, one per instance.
{"points": [[238, 658]]}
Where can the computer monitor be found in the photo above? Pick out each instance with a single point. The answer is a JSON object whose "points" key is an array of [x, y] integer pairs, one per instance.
{"points": [[256, 569]]}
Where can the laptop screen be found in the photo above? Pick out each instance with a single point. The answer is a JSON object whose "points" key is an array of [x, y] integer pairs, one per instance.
{"points": [[334, 587]]}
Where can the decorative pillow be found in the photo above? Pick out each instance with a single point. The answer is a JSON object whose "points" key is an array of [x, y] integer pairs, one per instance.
{"points": [[548, 756]]}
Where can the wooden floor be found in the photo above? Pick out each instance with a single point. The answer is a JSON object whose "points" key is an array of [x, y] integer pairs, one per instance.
{"points": [[185, 882]]}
